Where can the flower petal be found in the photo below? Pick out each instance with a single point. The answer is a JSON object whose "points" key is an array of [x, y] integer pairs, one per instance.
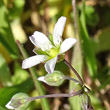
{"points": [[42, 79], [9, 106], [50, 65], [58, 30], [32, 61], [41, 41], [67, 44]]}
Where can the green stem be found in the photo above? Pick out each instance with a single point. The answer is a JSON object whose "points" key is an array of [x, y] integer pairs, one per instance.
{"points": [[38, 85]]}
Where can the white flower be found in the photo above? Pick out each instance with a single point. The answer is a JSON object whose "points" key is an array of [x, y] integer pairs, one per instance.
{"points": [[49, 49]]}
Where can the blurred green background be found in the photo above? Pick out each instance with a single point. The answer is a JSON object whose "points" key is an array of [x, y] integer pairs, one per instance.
{"points": [[90, 56]]}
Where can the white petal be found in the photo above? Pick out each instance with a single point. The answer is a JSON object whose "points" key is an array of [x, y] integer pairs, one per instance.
{"points": [[42, 79], [58, 30], [41, 41], [8, 105], [67, 44], [50, 65], [32, 61]]}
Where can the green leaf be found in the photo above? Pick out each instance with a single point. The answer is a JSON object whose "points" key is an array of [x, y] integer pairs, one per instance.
{"points": [[6, 36], [2, 108], [20, 75], [102, 41], [5, 76], [86, 44], [17, 8], [96, 103], [92, 17]]}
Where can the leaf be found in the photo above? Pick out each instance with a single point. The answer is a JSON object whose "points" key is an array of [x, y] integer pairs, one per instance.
{"points": [[102, 41], [96, 103], [92, 17], [86, 44], [2, 108], [20, 75], [6, 36], [5, 76], [16, 10], [5, 53]]}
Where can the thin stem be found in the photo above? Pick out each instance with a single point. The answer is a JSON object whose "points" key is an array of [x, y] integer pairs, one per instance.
{"points": [[75, 72], [34, 76], [71, 94], [68, 78], [49, 96]]}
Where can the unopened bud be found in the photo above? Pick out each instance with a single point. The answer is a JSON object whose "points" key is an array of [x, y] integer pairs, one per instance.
{"points": [[18, 102], [86, 102], [54, 79]]}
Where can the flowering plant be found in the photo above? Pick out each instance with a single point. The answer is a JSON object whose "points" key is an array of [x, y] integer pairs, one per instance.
{"points": [[48, 50]]}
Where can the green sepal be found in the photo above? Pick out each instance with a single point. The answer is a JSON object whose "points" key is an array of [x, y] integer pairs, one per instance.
{"points": [[51, 38], [40, 52]]}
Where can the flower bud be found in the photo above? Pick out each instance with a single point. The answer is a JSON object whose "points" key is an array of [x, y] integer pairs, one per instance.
{"points": [[18, 102], [86, 102], [54, 79]]}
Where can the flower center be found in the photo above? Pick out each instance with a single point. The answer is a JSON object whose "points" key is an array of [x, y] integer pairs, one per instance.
{"points": [[53, 52]]}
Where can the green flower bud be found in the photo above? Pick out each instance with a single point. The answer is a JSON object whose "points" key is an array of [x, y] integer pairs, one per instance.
{"points": [[54, 79], [18, 102]]}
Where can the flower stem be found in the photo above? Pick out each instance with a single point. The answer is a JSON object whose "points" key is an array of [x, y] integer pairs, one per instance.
{"points": [[68, 78], [71, 94], [38, 85], [75, 72]]}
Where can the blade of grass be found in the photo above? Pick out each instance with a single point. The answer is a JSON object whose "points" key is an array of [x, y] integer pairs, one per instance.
{"points": [[6, 36], [86, 44], [38, 85], [5, 75]]}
